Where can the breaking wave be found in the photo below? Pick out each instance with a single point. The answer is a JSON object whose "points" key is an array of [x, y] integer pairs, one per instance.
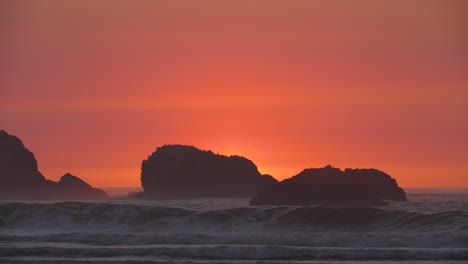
{"points": [[238, 252], [143, 217], [90, 230]]}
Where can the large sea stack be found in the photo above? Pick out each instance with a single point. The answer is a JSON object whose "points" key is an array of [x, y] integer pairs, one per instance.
{"points": [[179, 171], [21, 179], [330, 185]]}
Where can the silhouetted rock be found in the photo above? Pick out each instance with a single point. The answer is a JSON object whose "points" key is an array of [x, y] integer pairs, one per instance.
{"points": [[72, 187], [18, 166], [330, 185], [178, 171], [21, 179]]}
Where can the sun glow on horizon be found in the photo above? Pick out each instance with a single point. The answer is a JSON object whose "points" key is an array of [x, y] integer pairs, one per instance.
{"points": [[94, 88]]}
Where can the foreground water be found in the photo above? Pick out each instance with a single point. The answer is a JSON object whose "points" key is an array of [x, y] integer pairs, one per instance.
{"points": [[431, 228]]}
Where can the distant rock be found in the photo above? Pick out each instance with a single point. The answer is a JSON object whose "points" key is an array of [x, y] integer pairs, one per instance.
{"points": [[21, 179], [18, 166], [330, 185], [179, 171], [72, 187]]}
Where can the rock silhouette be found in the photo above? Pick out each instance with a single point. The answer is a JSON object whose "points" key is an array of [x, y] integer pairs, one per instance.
{"points": [[72, 187], [179, 171], [21, 179], [330, 185]]}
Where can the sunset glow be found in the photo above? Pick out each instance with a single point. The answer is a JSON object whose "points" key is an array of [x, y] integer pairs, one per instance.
{"points": [[93, 87]]}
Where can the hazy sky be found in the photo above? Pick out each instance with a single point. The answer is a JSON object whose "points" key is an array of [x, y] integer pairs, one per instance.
{"points": [[93, 87]]}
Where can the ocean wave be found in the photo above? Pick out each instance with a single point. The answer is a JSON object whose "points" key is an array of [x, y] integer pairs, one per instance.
{"points": [[84, 215], [102, 230], [435, 239], [234, 252]]}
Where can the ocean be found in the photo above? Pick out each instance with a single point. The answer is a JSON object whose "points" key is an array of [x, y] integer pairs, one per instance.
{"points": [[432, 227]]}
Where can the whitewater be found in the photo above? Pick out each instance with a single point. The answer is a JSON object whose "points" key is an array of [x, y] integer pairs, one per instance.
{"points": [[432, 227]]}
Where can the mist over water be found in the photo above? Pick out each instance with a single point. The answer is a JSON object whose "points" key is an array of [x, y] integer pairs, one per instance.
{"points": [[431, 226]]}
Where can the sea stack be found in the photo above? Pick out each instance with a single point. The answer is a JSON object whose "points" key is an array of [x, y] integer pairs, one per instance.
{"points": [[331, 185], [72, 187], [182, 172], [21, 179]]}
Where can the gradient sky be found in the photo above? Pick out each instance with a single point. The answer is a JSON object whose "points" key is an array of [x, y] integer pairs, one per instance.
{"points": [[93, 87]]}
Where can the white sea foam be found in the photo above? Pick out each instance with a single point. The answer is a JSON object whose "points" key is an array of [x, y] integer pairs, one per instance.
{"points": [[210, 229], [234, 252]]}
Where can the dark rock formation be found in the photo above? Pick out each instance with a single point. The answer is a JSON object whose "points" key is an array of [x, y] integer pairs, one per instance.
{"points": [[178, 171], [72, 187], [18, 166], [21, 179], [330, 185]]}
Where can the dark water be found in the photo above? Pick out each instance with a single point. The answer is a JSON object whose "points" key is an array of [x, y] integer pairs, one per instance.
{"points": [[431, 228]]}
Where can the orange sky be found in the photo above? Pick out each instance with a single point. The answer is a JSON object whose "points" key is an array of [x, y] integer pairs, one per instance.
{"points": [[93, 87]]}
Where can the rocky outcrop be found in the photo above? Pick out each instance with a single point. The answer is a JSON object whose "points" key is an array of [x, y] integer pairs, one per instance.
{"points": [[330, 185], [178, 171], [72, 187], [21, 179], [18, 166]]}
